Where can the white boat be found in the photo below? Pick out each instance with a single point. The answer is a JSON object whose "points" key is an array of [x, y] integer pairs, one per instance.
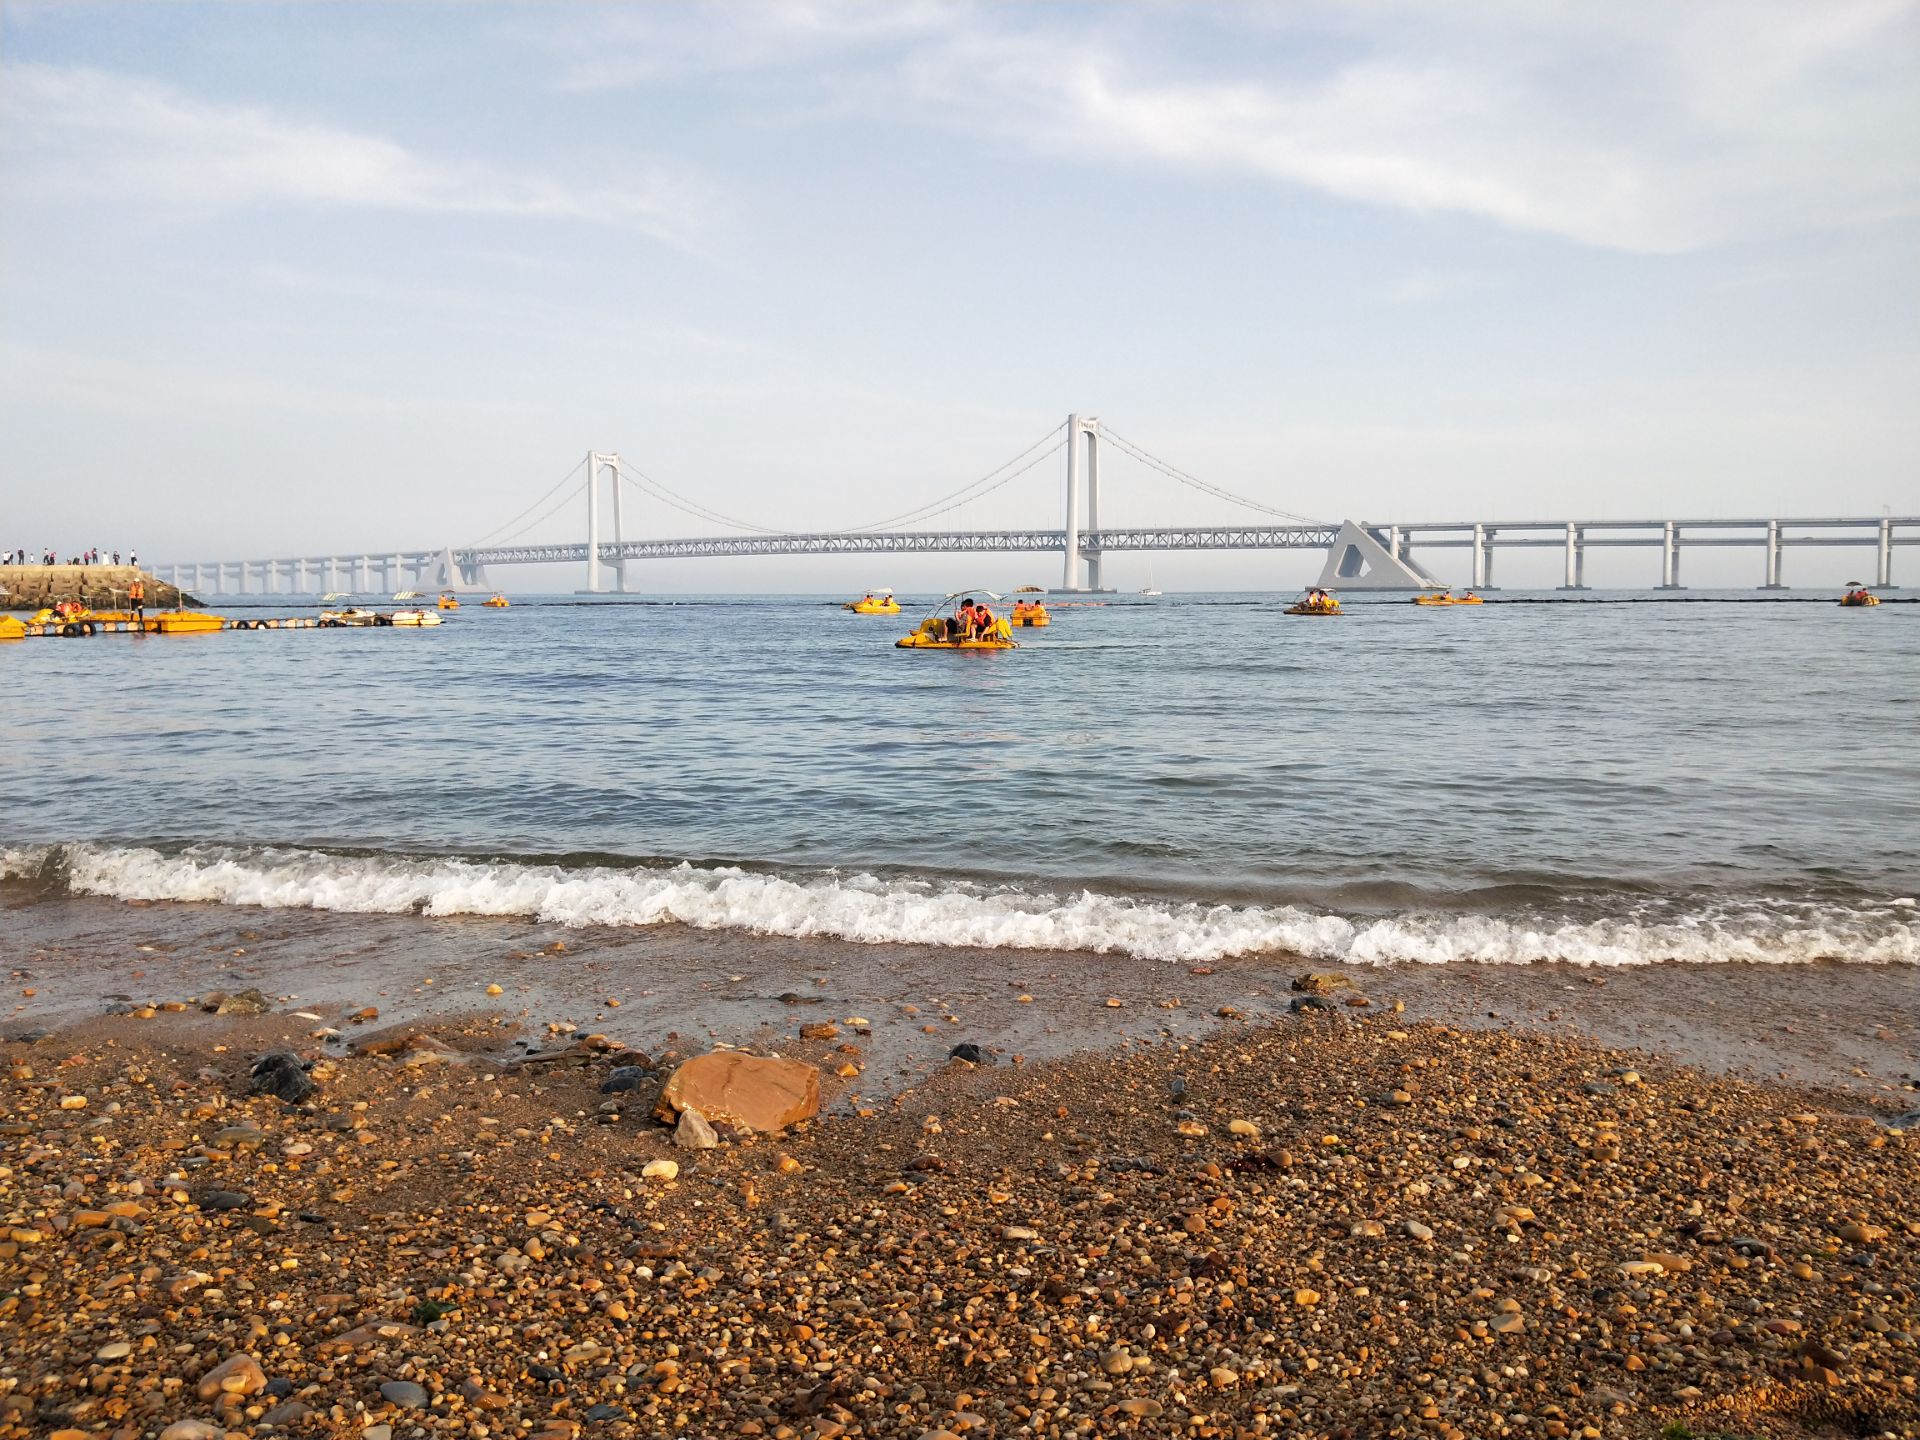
{"points": [[1148, 589], [331, 619], [414, 617], [406, 594], [334, 597]]}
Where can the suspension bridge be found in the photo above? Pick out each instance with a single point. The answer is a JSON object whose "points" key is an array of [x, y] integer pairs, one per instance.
{"points": [[1360, 554]]}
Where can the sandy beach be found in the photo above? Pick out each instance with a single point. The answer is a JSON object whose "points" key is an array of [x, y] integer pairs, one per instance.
{"points": [[1161, 1204]]}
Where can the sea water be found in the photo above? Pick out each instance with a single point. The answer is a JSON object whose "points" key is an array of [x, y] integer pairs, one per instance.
{"points": [[1186, 778]]}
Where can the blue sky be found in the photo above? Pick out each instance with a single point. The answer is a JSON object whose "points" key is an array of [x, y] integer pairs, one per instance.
{"points": [[281, 279]]}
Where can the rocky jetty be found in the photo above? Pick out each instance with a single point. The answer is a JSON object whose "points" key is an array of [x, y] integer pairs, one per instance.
{"points": [[102, 587]]}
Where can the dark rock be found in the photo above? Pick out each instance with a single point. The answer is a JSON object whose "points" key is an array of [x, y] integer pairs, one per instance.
{"points": [[247, 1002], [282, 1074], [1599, 1087], [222, 1199], [1177, 1088], [405, 1394], [291, 1413], [971, 1053], [279, 1387], [1310, 1002], [605, 1412], [626, 1077]]}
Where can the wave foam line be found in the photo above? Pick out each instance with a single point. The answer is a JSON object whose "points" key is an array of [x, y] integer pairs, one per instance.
{"points": [[875, 910]]}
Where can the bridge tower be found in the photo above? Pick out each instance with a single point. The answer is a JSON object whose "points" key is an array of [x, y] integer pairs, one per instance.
{"points": [[598, 460], [1082, 429]]}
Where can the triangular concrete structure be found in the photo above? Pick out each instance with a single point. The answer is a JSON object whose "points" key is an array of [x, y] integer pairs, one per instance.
{"points": [[1358, 559]]}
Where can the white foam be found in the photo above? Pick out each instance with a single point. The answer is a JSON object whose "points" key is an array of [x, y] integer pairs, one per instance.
{"points": [[876, 910]]}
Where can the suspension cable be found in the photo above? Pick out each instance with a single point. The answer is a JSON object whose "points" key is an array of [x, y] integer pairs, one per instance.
{"points": [[531, 508], [646, 484], [1046, 454], [916, 512], [1173, 472], [562, 503], [953, 499]]}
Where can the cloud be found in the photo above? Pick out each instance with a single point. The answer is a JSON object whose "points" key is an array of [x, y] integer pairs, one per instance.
{"points": [[1633, 125], [85, 132]]}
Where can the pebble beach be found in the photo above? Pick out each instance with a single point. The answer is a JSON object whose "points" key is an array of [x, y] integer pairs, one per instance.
{"points": [[1346, 1221]]}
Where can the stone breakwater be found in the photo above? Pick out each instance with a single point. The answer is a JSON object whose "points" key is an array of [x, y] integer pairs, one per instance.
{"points": [[101, 587], [1332, 1225]]}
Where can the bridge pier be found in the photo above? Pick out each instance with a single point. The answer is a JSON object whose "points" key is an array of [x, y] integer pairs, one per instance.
{"points": [[1576, 558], [1773, 557], [1670, 557], [1477, 571], [1883, 570]]}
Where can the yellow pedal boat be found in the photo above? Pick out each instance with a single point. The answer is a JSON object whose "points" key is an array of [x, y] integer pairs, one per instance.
{"points": [[1856, 598], [1315, 602], [495, 602], [874, 602], [1447, 598], [449, 601], [941, 629], [1030, 613]]}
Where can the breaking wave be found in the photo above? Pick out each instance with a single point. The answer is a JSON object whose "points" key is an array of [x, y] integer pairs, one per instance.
{"points": [[882, 909]]}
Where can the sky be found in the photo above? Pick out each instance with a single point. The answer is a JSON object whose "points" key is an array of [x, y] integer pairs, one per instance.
{"points": [[296, 279]]}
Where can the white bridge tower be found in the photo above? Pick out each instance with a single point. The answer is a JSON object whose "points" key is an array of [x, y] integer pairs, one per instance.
{"points": [[1082, 429], [598, 460]]}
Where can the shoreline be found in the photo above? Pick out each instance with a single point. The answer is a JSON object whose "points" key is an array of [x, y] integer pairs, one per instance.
{"points": [[1832, 1023]]}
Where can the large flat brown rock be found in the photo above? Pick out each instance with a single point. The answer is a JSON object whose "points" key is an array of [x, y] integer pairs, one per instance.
{"points": [[754, 1092]]}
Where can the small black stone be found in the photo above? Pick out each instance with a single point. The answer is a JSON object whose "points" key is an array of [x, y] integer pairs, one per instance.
{"points": [[279, 1387], [1177, 1088], [971, 1053], [223, 1199], [606, 1412], [282, 1074], [625, 1077]]}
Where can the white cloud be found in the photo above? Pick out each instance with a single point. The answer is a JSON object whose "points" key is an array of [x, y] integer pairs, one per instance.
{"points": [[86, 132], [1627, 124]]}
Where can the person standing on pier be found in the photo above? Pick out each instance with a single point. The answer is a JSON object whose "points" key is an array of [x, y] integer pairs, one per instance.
{"points": [[137, 598]]}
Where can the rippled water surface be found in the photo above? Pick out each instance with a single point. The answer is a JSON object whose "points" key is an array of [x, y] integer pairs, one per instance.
{"points": [[1589, 781]]}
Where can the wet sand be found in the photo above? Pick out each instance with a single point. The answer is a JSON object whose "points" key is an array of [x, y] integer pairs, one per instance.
{"points": [[1829, 1024]]}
